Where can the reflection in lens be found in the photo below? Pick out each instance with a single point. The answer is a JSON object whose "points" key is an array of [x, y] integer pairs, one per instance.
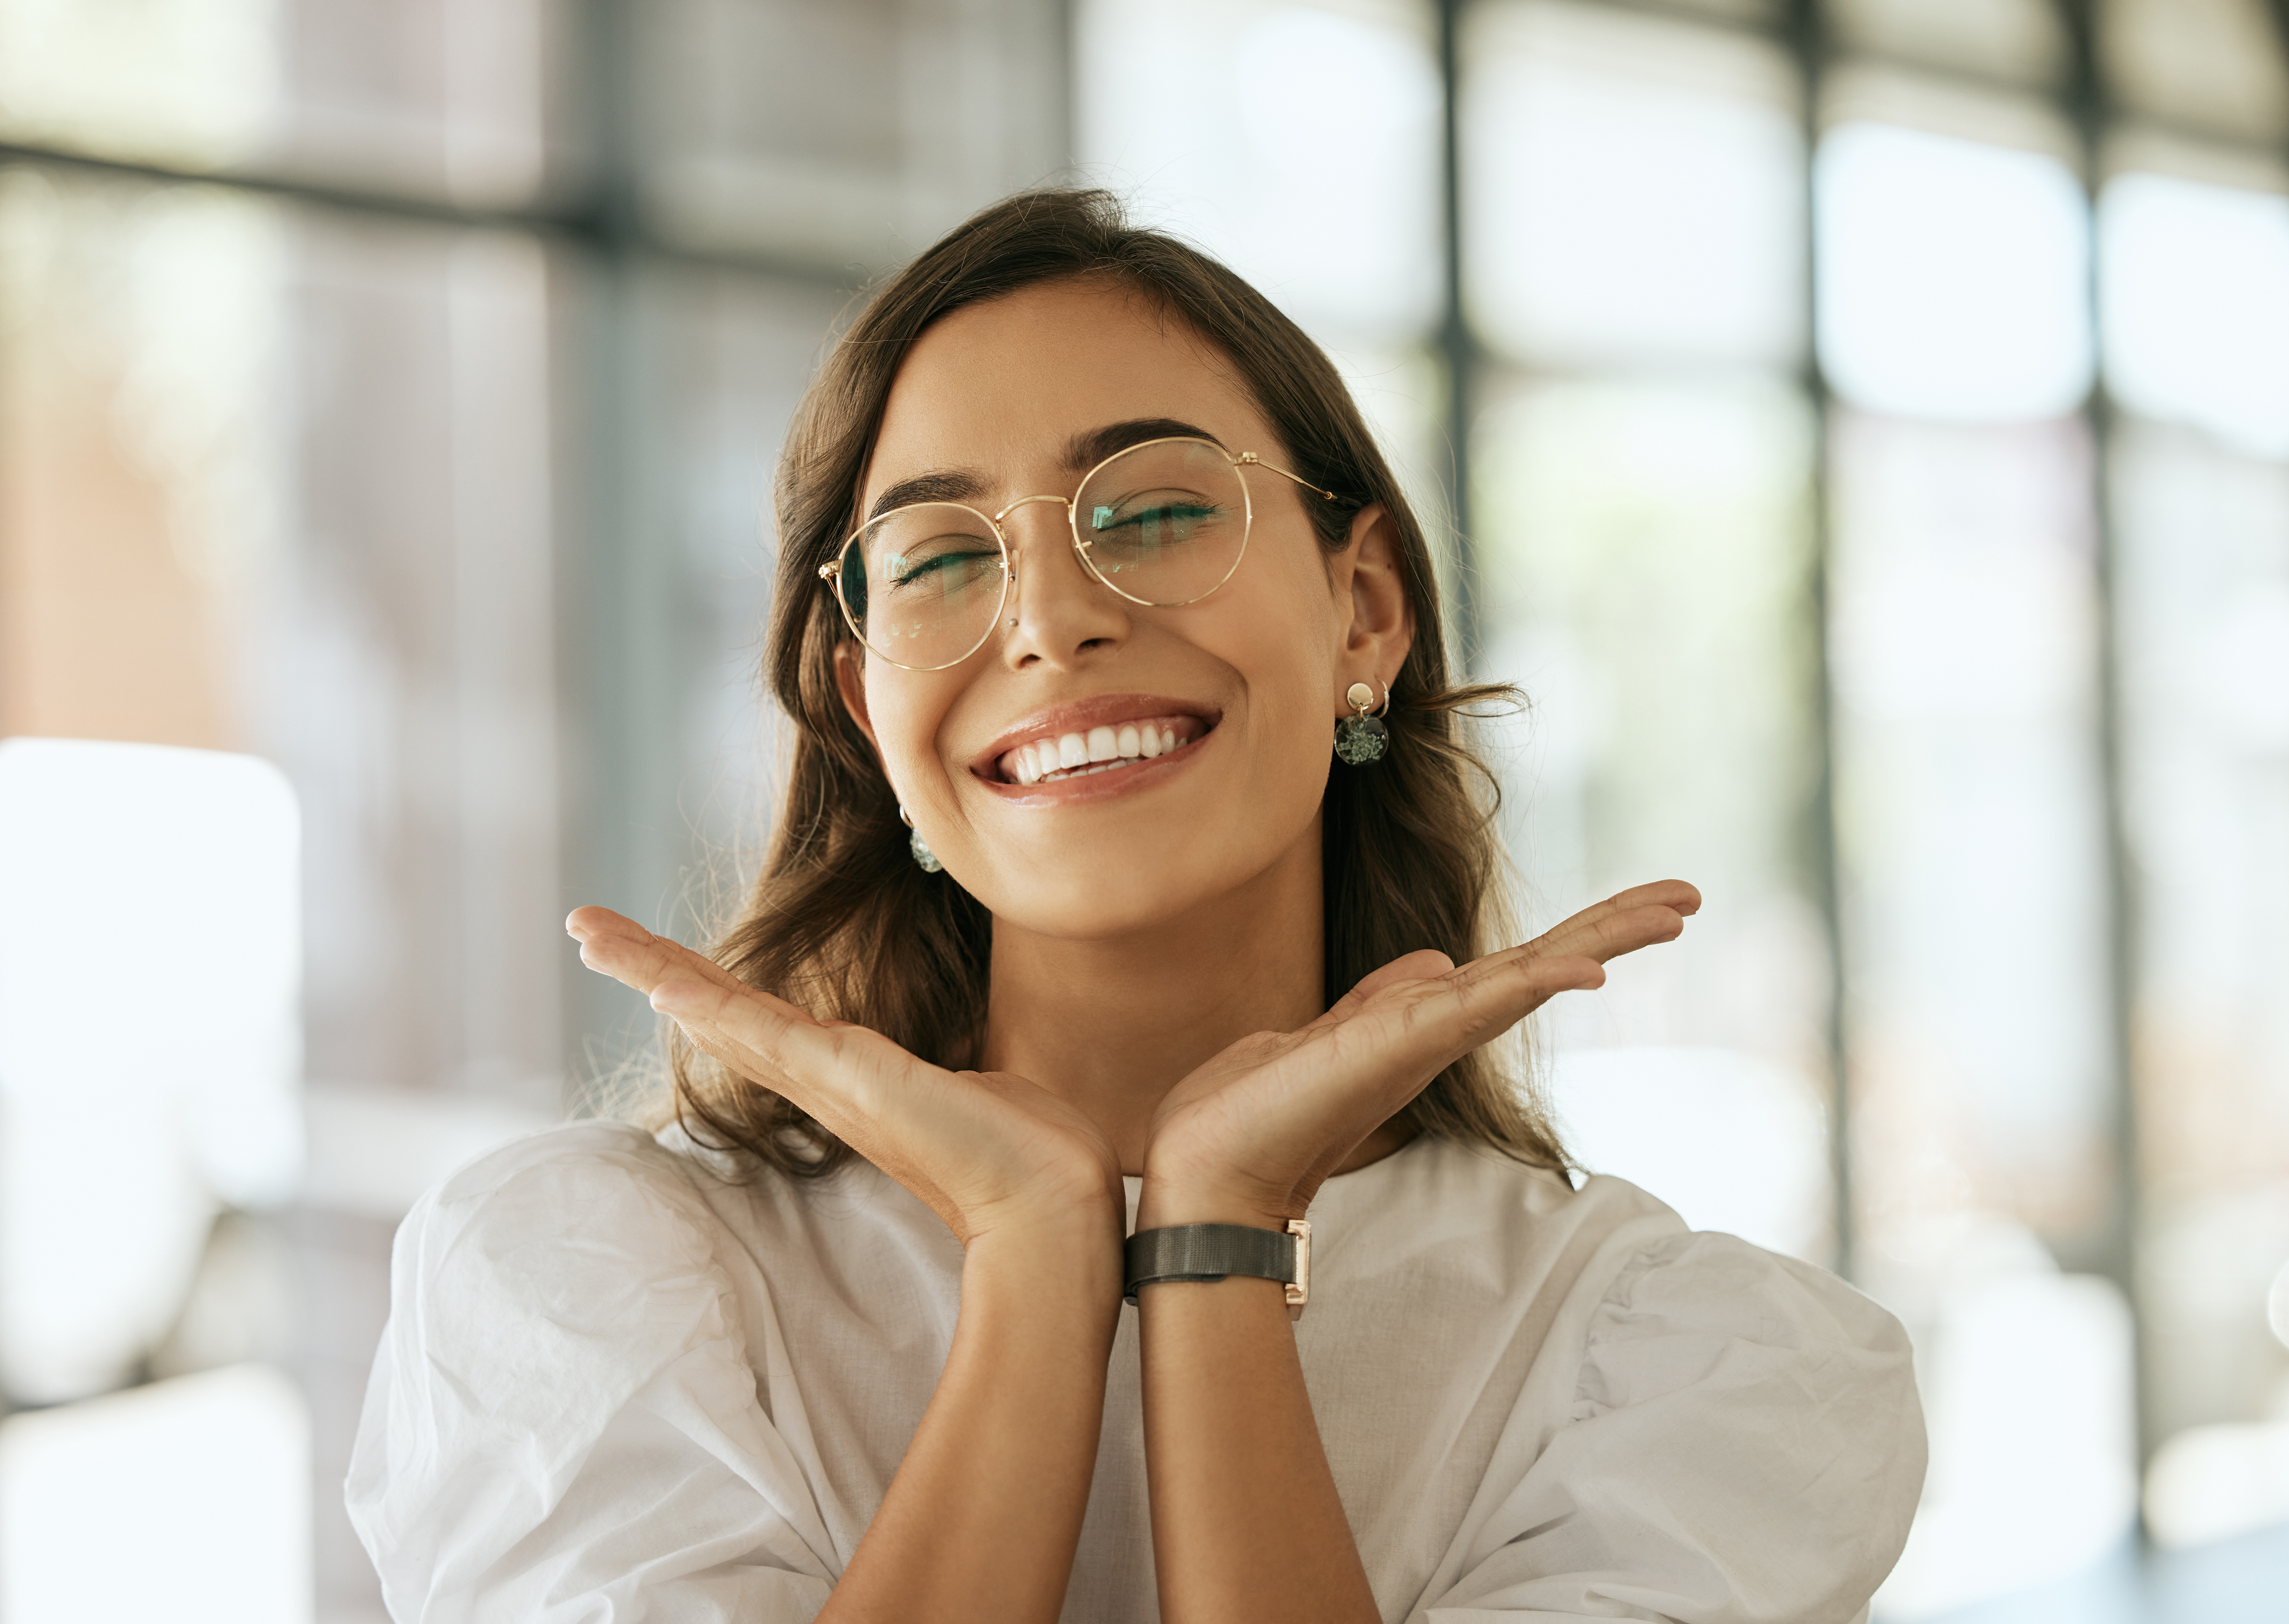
{"points": [[1165, 522], [924, 582]]}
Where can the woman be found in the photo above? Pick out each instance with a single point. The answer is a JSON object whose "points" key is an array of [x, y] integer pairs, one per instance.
{"points": [[1086, 557]]}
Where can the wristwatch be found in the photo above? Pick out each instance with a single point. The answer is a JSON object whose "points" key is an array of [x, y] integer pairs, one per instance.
{"points": [[1214, 1251]]}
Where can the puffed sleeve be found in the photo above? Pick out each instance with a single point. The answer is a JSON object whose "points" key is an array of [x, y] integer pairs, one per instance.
{"points": [[1745, 1446], [563, 1423]]}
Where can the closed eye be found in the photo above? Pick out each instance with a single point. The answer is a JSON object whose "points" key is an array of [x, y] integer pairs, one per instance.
{"points": [[1108, 519], [938, 562]]}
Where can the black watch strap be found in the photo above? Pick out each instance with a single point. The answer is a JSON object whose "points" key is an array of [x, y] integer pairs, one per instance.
{"points": [[1214, 1251]]}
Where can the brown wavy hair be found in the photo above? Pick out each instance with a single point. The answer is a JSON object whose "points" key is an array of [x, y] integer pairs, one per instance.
{"points": [[841, 920]]}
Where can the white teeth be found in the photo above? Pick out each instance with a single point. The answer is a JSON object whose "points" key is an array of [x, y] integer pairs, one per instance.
{"points": [[1072, 755]]}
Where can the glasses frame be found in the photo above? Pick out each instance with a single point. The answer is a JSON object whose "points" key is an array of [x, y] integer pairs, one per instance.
{"points": [[831, 571]]}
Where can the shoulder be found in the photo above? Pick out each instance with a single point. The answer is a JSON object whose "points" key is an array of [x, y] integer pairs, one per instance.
{"points": [[1787, 1394], [583, 1237], [565, 1369], [553, 1189], [1770, 1394], [1746, 1289], [1442, 1181], [1691, 1308], [1515, 1229], [599, 1153], [535, 1291], [1627, 1257], [1737, 1430], [1641, 1314]]}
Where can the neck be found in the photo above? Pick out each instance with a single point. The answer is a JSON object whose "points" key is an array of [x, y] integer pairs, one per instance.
{"points": [[1113, 1024]]}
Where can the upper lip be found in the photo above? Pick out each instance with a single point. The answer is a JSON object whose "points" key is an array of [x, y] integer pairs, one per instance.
{"points": [[1079, 716]]}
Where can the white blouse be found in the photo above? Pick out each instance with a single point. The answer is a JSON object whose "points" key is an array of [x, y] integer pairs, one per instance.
{"points": [[617, 1386]]}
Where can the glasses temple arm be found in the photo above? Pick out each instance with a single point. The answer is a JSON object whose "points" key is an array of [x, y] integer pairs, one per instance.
{"points": [[1252, 460]]}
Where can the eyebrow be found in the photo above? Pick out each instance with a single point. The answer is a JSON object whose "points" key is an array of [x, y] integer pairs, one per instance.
{"points": [[950, 485], [1085, 451], [1082, 453]]}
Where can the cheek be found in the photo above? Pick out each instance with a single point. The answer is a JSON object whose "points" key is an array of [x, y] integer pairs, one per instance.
{"points": [[1286, 698], [907, 711], [1284, 644], [1287, 766]]}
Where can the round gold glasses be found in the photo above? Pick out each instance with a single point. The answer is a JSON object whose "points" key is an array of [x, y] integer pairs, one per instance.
{"points": [[1163, 523]]}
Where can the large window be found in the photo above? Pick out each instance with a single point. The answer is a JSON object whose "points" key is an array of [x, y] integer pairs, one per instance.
{"points": [[387, 392], [1866, 427]]}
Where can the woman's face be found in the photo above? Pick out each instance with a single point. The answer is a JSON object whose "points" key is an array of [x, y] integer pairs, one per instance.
{"points": [[1019, 396]]}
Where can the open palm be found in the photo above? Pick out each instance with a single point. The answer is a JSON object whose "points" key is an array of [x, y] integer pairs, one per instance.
{"points": [[980, 1148], [1271, 1116]]}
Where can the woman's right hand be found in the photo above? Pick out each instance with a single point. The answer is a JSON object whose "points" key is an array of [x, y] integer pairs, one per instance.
{"points": [[985, 1150]]}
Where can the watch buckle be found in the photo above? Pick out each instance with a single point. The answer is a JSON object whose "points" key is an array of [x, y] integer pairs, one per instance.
{"points": [[1299, 1289]]}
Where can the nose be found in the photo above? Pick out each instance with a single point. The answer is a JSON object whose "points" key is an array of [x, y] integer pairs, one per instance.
{"points": [[1058, 613]]}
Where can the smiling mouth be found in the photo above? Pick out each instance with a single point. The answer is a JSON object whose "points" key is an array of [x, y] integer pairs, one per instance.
{"points": [[1054, 758]]}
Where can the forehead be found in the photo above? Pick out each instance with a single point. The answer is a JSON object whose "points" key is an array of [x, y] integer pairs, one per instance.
{"points": [[1005, 389]]}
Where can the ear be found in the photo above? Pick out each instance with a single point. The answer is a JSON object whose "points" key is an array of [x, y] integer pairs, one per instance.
{"points": [[851, 682], [1372, 607]]}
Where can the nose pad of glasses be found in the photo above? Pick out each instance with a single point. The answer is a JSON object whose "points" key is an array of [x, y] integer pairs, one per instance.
{"points": [[1063, 504]]}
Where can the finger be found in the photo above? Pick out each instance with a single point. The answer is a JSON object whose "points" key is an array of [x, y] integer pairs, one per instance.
{"points": [[1419, 1028], [831, 1071], [827, 1106], [1471, 1006], [1424, 964], [762, 1038], [618, 947], [1494, 993], [722, 1008], [1680, 895], [1637, 917], [1609, 935]]}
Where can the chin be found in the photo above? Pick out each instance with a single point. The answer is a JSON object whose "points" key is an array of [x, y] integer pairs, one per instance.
{"points": [[1105, 897]]}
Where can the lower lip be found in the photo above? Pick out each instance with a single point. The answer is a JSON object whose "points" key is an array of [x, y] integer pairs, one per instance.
{"points": [[1142, 774]]}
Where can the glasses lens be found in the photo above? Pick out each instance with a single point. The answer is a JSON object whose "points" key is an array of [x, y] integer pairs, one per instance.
{"points": [[1164, 523], [924, 582]]}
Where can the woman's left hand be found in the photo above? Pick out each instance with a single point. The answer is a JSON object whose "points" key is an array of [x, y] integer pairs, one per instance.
{"points": [[1250, 1136]]}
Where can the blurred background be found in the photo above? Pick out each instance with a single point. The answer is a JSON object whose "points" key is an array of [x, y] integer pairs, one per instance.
{"points": [[1862, 427]]}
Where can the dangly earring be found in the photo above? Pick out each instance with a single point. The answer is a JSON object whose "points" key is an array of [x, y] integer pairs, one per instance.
{"points": [[925, 859], [1360, 737]]}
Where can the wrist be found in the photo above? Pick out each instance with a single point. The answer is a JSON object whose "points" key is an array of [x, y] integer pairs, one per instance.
{"points": [[1214, 1252], [1039, 1308], [1074, 1256], [1166, 1202]]}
